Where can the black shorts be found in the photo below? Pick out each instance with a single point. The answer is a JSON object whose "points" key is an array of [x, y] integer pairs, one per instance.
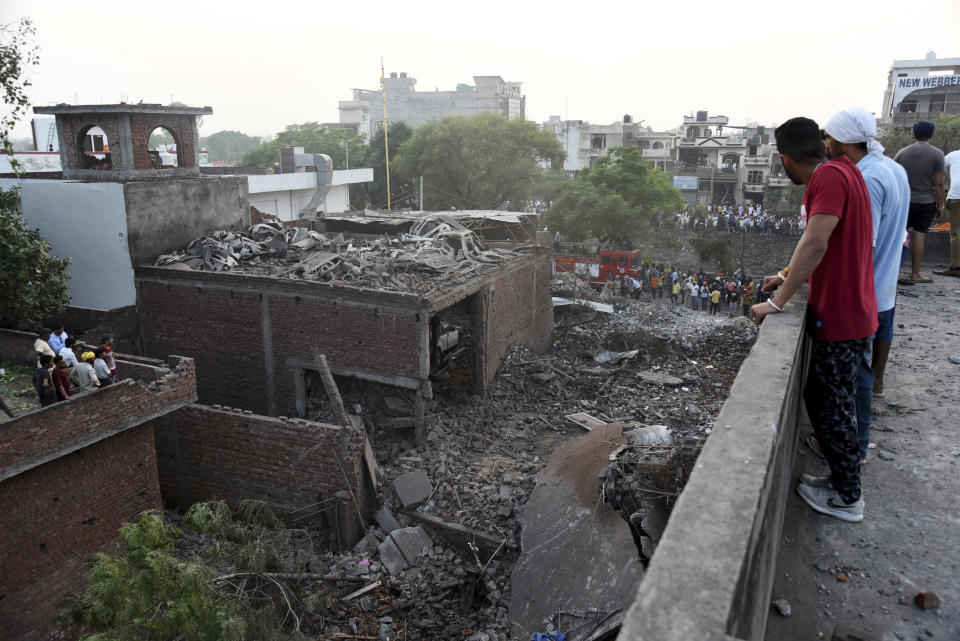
{"points": [[920, 216]]}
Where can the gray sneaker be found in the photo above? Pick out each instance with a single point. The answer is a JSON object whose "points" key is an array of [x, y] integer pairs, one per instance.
{"points": [[826, 501], [816, 481]]}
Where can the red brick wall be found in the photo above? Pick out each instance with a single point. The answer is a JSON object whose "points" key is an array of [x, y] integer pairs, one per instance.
{"points": [[212, 453], [37, 437], [55, 516], [229, 323], [181, 126], [518, 311]]}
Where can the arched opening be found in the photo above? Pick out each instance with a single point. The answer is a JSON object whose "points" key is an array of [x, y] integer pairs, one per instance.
{"points": [[93, 149], [658, 145], [730, 162], [693, 132], [163, 148]]}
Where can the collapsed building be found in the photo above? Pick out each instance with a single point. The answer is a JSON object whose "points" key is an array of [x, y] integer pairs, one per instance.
{"points": [[256, 308]]}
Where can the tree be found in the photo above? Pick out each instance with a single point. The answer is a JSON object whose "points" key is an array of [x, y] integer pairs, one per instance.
{"points": [[549, 184], [17, 55], [228, 145], [616, 201], [480, 162], [314, 138], [146, 593], [33, 282], [946, 135], [403, 191]]}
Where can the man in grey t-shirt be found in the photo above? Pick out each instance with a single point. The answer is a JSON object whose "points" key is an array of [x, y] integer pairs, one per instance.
{"points": [[924, 165]]}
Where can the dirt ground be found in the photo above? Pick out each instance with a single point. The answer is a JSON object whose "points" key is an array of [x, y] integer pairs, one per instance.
{"points": [[865, 575]]}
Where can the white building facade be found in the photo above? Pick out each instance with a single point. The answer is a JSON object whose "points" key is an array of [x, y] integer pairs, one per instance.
{"points": [[584, 143], [921, 90], [364, 113]]}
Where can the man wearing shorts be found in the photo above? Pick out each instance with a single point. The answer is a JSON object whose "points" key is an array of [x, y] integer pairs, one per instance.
{"points": [[952, 163], [924, 165], [851, 133], [835, 254]]}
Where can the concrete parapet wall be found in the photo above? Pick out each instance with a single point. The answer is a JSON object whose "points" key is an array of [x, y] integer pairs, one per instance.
{"points": [[713, 571]]}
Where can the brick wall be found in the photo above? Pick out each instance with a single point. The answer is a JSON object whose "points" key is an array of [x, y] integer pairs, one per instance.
{"points": [[242, 329], [56, 516], [517, 310], [181, 126], [218, 453], [38, 437], [75, 124]]}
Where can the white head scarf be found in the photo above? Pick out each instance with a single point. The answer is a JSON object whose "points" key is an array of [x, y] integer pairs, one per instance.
{"points": [[853, 125]]}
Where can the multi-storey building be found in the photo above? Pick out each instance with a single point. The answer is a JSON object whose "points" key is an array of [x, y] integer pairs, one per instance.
{"points": [[921, 90], [584, 143], [405, 104]]}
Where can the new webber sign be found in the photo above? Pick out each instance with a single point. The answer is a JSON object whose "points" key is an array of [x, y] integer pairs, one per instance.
{"points": [[905, 86]]}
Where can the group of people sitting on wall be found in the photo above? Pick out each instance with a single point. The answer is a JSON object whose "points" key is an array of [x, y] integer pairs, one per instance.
{"points": [[65, 370], [655, 280]]}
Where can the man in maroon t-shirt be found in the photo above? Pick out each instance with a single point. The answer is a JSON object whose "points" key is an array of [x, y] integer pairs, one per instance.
{"points": [[836, 254]]}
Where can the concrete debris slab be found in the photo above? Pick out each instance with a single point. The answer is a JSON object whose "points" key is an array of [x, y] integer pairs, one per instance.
{"points": [[413, 542], [386, 521], [412, 487], [392, 557], [567, 302], [660, 378], [577, 553], [461, 536], [612, 358], [585, 420]]}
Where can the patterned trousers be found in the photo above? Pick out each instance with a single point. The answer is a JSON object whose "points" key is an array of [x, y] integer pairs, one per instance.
{"points": [[830, 395]]}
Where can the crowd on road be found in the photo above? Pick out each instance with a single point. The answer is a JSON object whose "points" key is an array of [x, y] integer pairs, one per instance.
{"points": [[705, 293], [65, 370], [739, 218]]}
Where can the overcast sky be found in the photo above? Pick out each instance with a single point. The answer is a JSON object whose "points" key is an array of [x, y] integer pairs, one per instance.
{"points": [[263, 65]]}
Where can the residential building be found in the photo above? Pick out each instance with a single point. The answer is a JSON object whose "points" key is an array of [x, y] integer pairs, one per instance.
{"points": [[364, 113], [921, 90], [585, 143]]}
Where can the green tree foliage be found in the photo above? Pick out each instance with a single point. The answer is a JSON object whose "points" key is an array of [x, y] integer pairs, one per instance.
{"points": [[403, 191], [228, 145], [314, 138], [17, 55], [480, 162], [146, 593], [616, 201], [946, 136], [549, 184], [33, 282]]}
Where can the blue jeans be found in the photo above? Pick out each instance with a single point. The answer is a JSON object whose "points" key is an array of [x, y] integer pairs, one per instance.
{"points": [[865, 398]]}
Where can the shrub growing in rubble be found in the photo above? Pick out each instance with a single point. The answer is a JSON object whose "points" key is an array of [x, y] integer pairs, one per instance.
{"points": [[148, 593], [33, 282]]}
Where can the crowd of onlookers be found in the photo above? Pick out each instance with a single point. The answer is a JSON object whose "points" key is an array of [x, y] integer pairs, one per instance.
{"points": [[65, 370], [705, 293], [736, 218]]}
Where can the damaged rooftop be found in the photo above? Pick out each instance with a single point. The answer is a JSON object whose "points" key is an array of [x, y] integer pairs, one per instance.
{"points": [[419, 253]]}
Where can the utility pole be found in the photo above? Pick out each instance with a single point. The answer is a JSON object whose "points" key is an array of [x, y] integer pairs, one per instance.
{"points": [[386, 128], [421, 193]]}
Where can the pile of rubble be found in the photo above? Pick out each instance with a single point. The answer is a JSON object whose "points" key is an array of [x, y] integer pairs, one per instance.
{"points": [[436, 252], [659, 371]]}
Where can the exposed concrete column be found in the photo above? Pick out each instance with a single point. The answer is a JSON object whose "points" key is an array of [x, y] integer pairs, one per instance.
{"points": [[124, 145], [424, 390]]}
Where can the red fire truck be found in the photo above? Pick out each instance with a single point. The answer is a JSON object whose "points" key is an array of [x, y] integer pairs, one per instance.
{"points": [[596, 269]]}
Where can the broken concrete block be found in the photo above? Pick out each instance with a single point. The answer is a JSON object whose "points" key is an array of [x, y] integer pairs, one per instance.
{"points": [[412, 487], [843, 633], [413, 542], [386, 521], [393, 406], [660, 378], [926, 600], [391, 557]]}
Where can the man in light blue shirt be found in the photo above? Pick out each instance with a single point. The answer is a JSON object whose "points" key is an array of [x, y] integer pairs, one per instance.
{"points": [[851, 133]]}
